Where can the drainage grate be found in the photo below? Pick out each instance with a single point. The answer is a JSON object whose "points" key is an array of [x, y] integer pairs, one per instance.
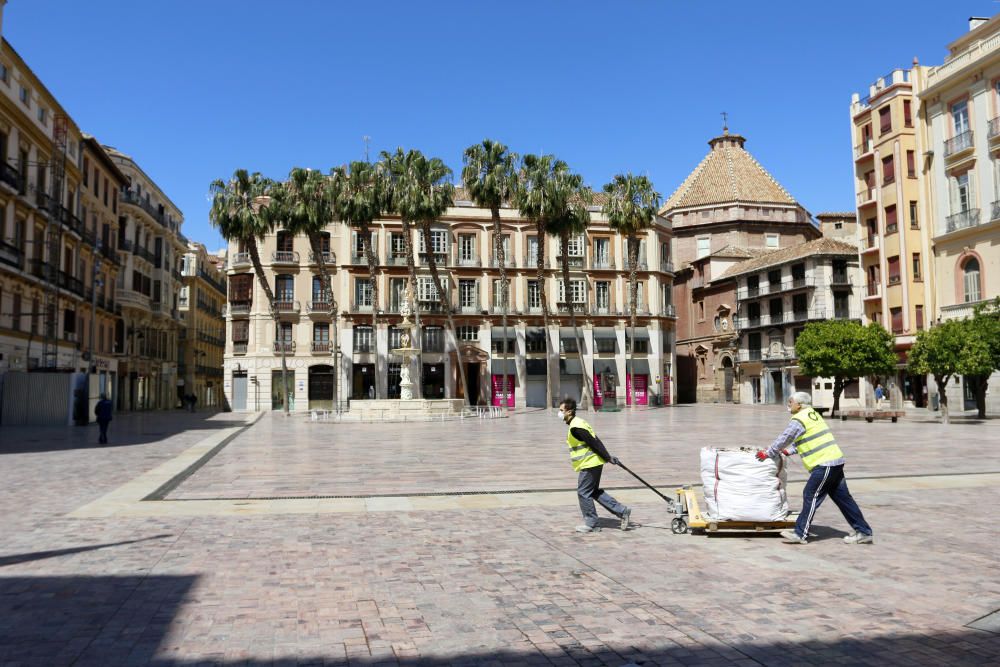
{"points": [[988, 623]]}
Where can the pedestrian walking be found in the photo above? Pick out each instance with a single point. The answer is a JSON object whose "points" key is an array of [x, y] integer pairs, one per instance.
{"points": [[808, 436], [588, 455], [879, 395], [103, 411]]}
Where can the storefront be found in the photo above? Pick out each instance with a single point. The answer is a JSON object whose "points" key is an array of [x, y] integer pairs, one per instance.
{"points": [[570, 379], [640, 373], [605, 383], [501, 369]]}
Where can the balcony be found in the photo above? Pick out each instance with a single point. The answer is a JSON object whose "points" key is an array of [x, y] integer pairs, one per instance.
{"points": [[71, 283], [132, 199], [11, 255], [397, 260], [894, 280], [328, 257], [667, 267], [469, 261], [840, 279], [210, 339], [286, 307], [960, 311], [866, 197], [508, 262], [321, 307], [962, 220], [210, 279], [286, 346], [440, 258], [320, 347], [531, 261], [361, 308], [669, 310], [139, 251], [864, 148], [994, 127], [958, 143], [205, 306], [601, 309], [239, 308], [10, 177], [873, 291], [891, 228], [533, 310], [239, 348], [131, 299], [871, 242], [470, 308], [240, 259], [579, 308], [606, 263], [361, 260], [749, 355], [284, 257]]}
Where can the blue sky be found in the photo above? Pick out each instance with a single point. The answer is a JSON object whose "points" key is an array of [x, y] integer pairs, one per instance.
{"points": [[195, 89]]}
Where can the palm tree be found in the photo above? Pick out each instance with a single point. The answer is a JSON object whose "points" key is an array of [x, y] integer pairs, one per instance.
{"points": [[567, 216], [307, 201], [362, 191], [396, 165], [630, 208], [238, 211], [490, 176], [530, 198], [423, 192]]}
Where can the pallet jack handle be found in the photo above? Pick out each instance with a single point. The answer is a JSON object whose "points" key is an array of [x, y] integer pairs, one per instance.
{"points": [[670, 501]]}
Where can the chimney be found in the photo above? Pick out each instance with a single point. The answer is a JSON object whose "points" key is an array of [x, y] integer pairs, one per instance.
{"points": [[976, 21]]}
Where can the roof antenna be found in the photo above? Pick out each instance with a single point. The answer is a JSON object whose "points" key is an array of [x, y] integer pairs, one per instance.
{"points": [[725, 122]]}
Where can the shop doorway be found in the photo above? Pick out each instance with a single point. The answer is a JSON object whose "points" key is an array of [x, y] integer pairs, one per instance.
{"points": [[472, 370], [363, 382], [728, 376], [434, 380], [239, 390], [321, 380]]}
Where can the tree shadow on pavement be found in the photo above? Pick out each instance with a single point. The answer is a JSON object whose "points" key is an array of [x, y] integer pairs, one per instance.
{"points": [[14, 559]]}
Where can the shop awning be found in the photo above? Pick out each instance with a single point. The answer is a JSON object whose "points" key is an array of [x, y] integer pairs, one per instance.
{"points": [[604, 366], [497, 333], [570, 367], [638, 366], [503, 367], [605, 333], [641, 333], [535, 366], [567, 332]]}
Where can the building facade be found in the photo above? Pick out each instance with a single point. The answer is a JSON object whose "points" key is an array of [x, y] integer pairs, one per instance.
{"points": [[729, 208], [150, 248], [201, 301], [960, 133], [333, 359], [894, 250], [777, 295]]}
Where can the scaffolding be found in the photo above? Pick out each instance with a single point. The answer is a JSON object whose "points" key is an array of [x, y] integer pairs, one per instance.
{"points": [[52, 205]]}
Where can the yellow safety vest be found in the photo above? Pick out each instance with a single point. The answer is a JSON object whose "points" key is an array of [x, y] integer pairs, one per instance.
{"points": [[817, 445], [580, 455]]}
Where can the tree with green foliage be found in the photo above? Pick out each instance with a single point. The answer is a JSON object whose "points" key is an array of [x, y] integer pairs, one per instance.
{"points": [[630, 208], [844, 350], [985, 326], [490, 176]]}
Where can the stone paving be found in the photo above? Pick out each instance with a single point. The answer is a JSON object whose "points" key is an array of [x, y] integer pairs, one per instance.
{"points": [[396, 566]]}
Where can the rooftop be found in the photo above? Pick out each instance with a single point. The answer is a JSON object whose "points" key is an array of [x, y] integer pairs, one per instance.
{"points": [[817, 247]]}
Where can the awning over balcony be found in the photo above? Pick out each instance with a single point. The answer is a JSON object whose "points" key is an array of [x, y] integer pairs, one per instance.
{"points": [[606, 333]]}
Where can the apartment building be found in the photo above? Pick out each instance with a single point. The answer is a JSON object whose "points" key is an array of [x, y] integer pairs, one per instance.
{"points": [[960, 133], [894, 250], [728, 209], [777, 294], [200, 303], [150, 248], [333, 359]]}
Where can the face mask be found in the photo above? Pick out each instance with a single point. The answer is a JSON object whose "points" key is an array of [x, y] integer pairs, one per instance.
{"points": [[562, 415], [789, 410]]}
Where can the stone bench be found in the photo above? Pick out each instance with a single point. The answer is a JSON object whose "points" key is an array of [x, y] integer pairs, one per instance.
{"points": [[871, 415]]}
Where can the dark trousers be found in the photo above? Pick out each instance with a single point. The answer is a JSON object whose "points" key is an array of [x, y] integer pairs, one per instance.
{"points": [[829, 481], [104, 431], [588, 488]]}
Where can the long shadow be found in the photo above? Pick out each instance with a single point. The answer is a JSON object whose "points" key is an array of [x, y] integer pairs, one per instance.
{"points": [[81, 620], [14, 559], [125, 431]]}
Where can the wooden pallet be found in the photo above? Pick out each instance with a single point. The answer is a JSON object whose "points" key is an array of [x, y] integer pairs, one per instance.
{"points": [[693, 520], [871, 415]]}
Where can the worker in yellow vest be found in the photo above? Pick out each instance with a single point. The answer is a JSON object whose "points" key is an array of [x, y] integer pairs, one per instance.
{"points": [[808, 435], [588, 456]]}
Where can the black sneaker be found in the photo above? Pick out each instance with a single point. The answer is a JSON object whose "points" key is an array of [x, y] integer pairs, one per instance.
{"points": [[625, 515]]}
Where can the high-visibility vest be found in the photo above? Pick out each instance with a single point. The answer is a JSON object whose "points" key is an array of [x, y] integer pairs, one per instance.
{"points": [[580, 455], [817, 444]]}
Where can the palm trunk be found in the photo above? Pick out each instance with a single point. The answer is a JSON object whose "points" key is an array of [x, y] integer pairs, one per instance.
{"points": [[588, 386], [633, 262], [444, 296], [504, 294], [540, 262], [942, 383], [316, 246], [258, 268], [417, 341], [366, 243]]}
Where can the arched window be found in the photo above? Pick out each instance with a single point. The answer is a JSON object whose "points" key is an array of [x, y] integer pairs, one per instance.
{"points": [[970, 280]]}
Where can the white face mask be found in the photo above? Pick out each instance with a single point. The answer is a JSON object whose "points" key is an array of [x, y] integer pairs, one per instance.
{"points": [[562, 415]]}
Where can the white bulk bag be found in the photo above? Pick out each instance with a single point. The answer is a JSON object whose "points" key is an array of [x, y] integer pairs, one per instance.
{"points": [[738, 487]]}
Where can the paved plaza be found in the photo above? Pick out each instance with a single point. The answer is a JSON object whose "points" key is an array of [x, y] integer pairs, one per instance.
{"points": [[240, 539]]}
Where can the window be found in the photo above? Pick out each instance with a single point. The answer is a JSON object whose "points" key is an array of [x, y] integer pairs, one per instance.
{"points": [[97, 182], [500, 296], [363, 339], [466, 248], [776, 309], [602, 253], [890, 220], [578, 290], [285, 242], [893, 263], [358, 246], [534, 296], [916, 266], [841, 305], [602, 291], [665, 252], [467, 333], [960, 117], [321, 332], [771, 240], [362, 292], [885, 119], [961, 193], [919, 312], [800, 304], [24, 96], [240, 287], [774, 280], [4, 74], [397, 245], [907, 114], [532, 258], [284, 288], [641, 344], [700, 306], [970, 280], [575, 245], [107, 187], [427, 290], [911, 165], [666, 299], [534, 340], [395, 338], [241, 331], [397, 294], [896, 318], [433, 339], [704, 245], [439, 242], [86, 172], [319, 295], [888, 170], [914, 222], [468, 294], [43, 115], [798, 272]]}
